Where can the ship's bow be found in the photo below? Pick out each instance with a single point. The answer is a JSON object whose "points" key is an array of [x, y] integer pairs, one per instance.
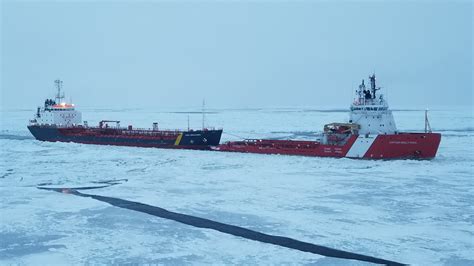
{"points": [[404, 146], [430, 145]]}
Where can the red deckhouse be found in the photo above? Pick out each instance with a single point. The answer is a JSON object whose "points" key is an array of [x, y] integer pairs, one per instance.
{"points": [[370, 133]]}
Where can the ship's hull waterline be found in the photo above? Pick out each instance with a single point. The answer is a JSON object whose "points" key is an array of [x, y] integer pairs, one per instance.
{"points": [[196, 139], [394, 146]]}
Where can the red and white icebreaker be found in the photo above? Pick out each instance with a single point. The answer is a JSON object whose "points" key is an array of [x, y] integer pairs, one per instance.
{"points": [[371, 133]]}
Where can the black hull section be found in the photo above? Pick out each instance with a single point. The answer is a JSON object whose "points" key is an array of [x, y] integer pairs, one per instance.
{"points": [[199, 139]]}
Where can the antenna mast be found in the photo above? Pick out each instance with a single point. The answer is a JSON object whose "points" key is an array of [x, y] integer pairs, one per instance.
{"points": [[59, 86], [203, 113]]}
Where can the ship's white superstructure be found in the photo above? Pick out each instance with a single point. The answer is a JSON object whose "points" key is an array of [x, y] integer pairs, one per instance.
{"points": [[57, 112], [370, 112]]}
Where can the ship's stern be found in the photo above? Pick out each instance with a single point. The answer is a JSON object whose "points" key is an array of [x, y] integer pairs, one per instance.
{"points": [[44, 133]]}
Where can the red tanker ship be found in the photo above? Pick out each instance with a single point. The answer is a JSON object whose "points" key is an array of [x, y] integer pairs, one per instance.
{"points": [[371, 133]]}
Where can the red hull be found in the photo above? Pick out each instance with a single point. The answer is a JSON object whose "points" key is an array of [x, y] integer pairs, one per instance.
{"points": [[396, 146]]}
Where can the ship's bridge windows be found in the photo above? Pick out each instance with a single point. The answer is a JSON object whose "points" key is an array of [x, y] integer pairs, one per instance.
{"points": [[369, 108]]}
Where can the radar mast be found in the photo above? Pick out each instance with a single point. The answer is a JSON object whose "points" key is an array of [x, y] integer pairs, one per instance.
{"points": [[373, 86], [59, 86]]}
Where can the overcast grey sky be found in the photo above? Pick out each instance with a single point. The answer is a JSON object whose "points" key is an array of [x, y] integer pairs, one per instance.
{"points": [[236, 54]]}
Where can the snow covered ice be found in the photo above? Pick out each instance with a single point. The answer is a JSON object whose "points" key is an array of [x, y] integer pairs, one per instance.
{"points": [[416, 212]]}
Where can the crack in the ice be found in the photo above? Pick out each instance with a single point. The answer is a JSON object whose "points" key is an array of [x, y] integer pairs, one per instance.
{"points": [[226, 228], [106, 183]]}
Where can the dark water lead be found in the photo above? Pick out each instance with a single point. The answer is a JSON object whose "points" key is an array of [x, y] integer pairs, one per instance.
{"points": [[227, 228], [101, 184]]}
